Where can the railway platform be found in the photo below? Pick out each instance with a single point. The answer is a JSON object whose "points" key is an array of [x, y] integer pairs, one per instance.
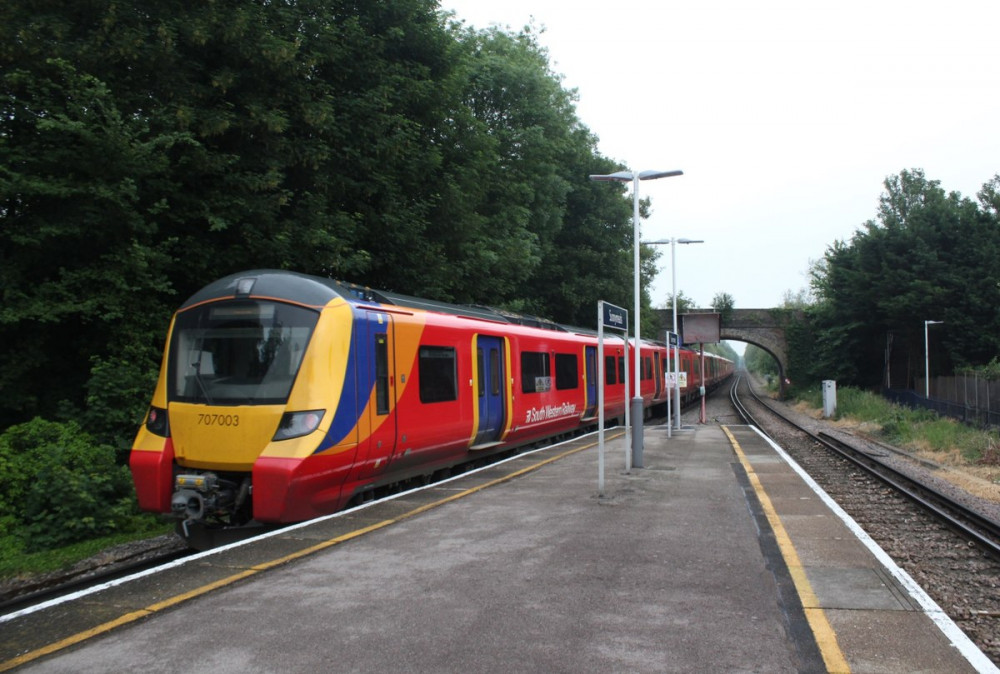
{"points": [[715, 556]]}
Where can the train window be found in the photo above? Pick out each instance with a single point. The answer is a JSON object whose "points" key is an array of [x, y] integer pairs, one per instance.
{"points": [[621, 369], [494, 372], [567, 371], [238, 352], [647, 368], [438, 374], [381, 374], [609, 371], [536, 377], [482, 372]]}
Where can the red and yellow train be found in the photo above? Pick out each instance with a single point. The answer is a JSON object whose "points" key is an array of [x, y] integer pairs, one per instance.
{"points": [[282, 396]]}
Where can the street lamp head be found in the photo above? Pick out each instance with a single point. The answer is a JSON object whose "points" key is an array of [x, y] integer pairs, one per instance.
{"points": [[620, 176], [626, 176], [664, 242], [653, 175]]}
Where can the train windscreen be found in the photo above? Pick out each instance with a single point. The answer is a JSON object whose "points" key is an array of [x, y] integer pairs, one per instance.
{"points": [[241, 352]]}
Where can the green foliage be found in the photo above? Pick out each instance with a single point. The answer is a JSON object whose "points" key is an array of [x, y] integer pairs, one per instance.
{"points": [[909, 428], [723, 303], [990, 370], [58, 487], [929, 255], [148, 149], [760, 361], [16, 561]]}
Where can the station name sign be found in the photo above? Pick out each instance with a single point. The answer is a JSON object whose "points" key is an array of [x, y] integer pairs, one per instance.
{"points": [[615, 318]]}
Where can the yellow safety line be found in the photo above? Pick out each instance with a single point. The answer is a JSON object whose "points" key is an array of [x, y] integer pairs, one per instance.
{"points": [[205, 589], [826, 638]]}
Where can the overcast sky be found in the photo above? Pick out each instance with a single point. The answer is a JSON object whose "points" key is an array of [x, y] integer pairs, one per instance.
{"points": [[786, 117]]}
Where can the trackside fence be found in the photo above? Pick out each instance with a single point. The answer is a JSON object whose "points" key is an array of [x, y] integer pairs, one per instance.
{"points": [[969, 398]]}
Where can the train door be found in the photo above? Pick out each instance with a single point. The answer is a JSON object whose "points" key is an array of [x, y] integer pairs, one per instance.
{"points": [[590, 373], [382, 399], [490, 393]]}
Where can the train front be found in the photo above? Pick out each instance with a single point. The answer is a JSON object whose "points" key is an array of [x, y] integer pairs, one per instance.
{"points": [[238, 426]]}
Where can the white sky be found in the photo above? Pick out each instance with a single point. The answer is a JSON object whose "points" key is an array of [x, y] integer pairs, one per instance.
{"points": [[785, 117]]}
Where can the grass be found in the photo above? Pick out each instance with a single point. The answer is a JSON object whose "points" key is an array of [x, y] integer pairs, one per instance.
{"points": [[15, 562], [920, 430]]}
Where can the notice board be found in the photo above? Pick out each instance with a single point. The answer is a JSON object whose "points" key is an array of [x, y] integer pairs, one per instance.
{"points": [[700, 328]]}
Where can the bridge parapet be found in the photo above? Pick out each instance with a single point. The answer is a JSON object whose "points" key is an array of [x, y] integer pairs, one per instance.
{"points": [[764, 328]]}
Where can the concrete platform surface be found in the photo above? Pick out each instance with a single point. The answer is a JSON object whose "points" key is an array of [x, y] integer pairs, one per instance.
{"points": [[682, 566]]}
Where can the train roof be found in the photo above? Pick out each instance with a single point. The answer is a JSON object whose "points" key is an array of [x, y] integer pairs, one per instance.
{"points": [[319, 291]]}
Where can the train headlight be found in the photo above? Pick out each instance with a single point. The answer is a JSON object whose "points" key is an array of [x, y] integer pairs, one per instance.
{"points": [[296, 424], [156, 422], [203, 482]]}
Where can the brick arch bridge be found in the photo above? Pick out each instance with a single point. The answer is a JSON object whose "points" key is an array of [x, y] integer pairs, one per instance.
{"points": [[764, 328]]}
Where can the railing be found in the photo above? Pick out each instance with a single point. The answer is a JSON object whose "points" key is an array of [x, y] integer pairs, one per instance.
{"points": [[969, 398]]}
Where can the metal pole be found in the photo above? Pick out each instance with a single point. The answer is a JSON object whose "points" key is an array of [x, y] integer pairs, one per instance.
{"points": [[600, 398], [677, 354], [927, 360], [927, 365], [702, 391], [669, 394], [637, 399], [628, 426]]}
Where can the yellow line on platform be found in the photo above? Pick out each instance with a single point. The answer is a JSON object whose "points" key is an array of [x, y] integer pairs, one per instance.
{"points": [[258, 568], [826, 638]]}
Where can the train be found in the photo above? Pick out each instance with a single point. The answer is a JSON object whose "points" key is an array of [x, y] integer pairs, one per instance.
{"points": [[282, 396]]}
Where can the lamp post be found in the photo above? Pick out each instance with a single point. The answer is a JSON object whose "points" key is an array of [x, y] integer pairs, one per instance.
{"points": [[677, 356], [927, 360], [635, 177]]}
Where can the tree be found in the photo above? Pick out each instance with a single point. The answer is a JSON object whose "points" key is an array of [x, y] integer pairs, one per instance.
{"points": [[760, 361], [799, 299], [147, 149], [82, 269], [723, 303], [189, 141], [928, 255]]}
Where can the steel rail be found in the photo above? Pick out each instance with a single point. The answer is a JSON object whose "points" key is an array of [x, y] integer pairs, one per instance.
{"points": [[981, 529]]}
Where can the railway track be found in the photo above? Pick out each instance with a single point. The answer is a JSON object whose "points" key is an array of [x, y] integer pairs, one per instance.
{"points": [[144, 555], [983, 530], [952, 550]]}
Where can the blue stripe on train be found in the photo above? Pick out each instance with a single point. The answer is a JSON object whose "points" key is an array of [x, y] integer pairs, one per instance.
{"points": [[358, 384]]}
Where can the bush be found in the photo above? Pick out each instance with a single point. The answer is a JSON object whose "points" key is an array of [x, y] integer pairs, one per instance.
{"points": [[57, 486]]}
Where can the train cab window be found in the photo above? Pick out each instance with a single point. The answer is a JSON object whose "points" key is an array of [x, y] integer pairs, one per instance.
{"points": [[610, 376], [438, 374], [621, 369], [381, 374], [567, 371], [647, 368], [536, 377], [243, 352]]}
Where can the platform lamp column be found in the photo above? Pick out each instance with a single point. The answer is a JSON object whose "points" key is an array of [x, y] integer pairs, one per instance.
{"points": [[677, 354], [634, 177], [927, 360]]}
